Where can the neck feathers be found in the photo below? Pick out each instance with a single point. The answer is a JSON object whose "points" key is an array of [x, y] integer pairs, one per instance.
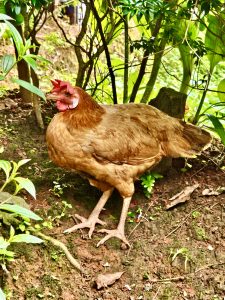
{"points": [[88, 113]]}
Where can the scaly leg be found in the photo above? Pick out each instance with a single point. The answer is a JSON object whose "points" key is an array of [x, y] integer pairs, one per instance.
{"points": [[93, 218], [119, 231]]}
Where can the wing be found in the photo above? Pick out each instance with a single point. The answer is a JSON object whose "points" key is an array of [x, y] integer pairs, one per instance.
{"points": [[129, 134]]}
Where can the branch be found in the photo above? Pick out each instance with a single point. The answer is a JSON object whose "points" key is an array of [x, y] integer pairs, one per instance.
{"points": [[63, 247]]}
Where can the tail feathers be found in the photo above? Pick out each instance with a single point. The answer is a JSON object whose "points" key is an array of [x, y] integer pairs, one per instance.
{"points": [[188, 141], [198, 139]]}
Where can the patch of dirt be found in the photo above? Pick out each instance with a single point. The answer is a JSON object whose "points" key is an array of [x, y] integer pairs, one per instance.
{"points": [[175, 254]]}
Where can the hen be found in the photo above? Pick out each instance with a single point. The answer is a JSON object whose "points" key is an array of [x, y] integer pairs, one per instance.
{"points": [[113, 145]]}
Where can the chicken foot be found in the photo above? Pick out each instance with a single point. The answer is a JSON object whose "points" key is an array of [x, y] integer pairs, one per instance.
{"points": [[93, 219], [119, 231]]}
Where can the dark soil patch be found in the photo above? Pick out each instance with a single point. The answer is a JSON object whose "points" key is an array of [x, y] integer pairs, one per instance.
{"points": [[175, 254]]}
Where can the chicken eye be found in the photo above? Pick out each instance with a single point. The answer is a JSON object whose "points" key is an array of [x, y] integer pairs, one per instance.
{"points": [[67, 94]]}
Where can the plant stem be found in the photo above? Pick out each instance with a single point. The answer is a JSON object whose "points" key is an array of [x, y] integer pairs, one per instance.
{"points": [[197, 115]]}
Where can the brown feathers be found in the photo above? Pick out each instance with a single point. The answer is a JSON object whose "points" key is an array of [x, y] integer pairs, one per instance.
{"points": [[115, 144]]}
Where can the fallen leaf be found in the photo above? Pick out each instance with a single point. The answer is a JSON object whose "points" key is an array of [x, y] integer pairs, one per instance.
{"points": [[104, 280], [181, 197]]}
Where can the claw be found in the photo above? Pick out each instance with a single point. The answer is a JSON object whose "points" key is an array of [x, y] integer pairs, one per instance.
{"points": [[85, 223], [112, 233]]}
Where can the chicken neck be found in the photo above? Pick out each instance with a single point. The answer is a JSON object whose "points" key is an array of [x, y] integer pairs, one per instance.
{"points": [[93, 219]]}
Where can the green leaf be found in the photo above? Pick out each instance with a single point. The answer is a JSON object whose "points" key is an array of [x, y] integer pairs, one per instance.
{"points": [[7, 63], [218, 127], [6, 167], [26, 184], [3, 243], [29, 87], [17, 39], [39, 57], [4, 17], [14, 208], [17, 9], [31, 62], [214, 40], [23, 162], [6, 253], [26, 238], [12, 232]]}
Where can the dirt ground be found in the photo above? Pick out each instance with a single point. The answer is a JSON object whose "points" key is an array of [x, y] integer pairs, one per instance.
{"points": [[175, 254]]}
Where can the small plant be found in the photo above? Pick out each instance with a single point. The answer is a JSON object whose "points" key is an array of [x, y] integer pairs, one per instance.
{"points": [[11, 175], [58, 188], [148, 182], [196, 214], [182, 252], [8, 256], [13, 210], [135, 216]]}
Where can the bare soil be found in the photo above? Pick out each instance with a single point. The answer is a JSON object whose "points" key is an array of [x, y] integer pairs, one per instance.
{"points": [[175, 254]]}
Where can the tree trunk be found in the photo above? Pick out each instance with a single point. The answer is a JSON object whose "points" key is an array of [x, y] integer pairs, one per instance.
{"points": [[23, 73], [154, 72], [172, 103], [145, 60], [126, 60]]}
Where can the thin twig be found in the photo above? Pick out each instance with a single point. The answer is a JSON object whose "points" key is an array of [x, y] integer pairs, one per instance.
{"points": [[63, 247], [156, 294]]}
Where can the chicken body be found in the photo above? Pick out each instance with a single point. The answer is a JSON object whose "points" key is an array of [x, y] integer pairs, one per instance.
{"points": [[114, 144]]}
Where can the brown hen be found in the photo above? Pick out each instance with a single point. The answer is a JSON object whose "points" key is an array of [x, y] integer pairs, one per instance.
{"points": [[113, 145]]}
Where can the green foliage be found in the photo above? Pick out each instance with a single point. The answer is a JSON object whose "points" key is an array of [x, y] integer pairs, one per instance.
{"points": [[7, 255], [8, 62], [214, 40], [11, 175], [218, 126], [148, 182]]}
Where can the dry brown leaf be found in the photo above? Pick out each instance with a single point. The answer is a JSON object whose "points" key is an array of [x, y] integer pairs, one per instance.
{"points": [[181, 197], [104, 280]]}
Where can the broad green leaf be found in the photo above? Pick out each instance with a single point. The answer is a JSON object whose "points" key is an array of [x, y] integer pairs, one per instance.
{"points": [[31, 62], [220, 130], [4, 17], [6, 167], [214, 40], [29, 87], [39, 57], [17, 38], [23, 162], [7, 63], [2, 295], [26, 184], [2, 77], [14, 208], [26, 238]]}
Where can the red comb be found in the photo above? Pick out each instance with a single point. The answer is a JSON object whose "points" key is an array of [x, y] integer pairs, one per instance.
{"points": [[58, 85]]}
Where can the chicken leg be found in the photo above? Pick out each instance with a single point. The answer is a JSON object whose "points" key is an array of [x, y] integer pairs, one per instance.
{"points": [[119, 231], [94, 216]]}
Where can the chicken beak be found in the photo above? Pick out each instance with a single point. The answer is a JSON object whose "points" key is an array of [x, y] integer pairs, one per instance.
{"points": [[52, 96]]}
